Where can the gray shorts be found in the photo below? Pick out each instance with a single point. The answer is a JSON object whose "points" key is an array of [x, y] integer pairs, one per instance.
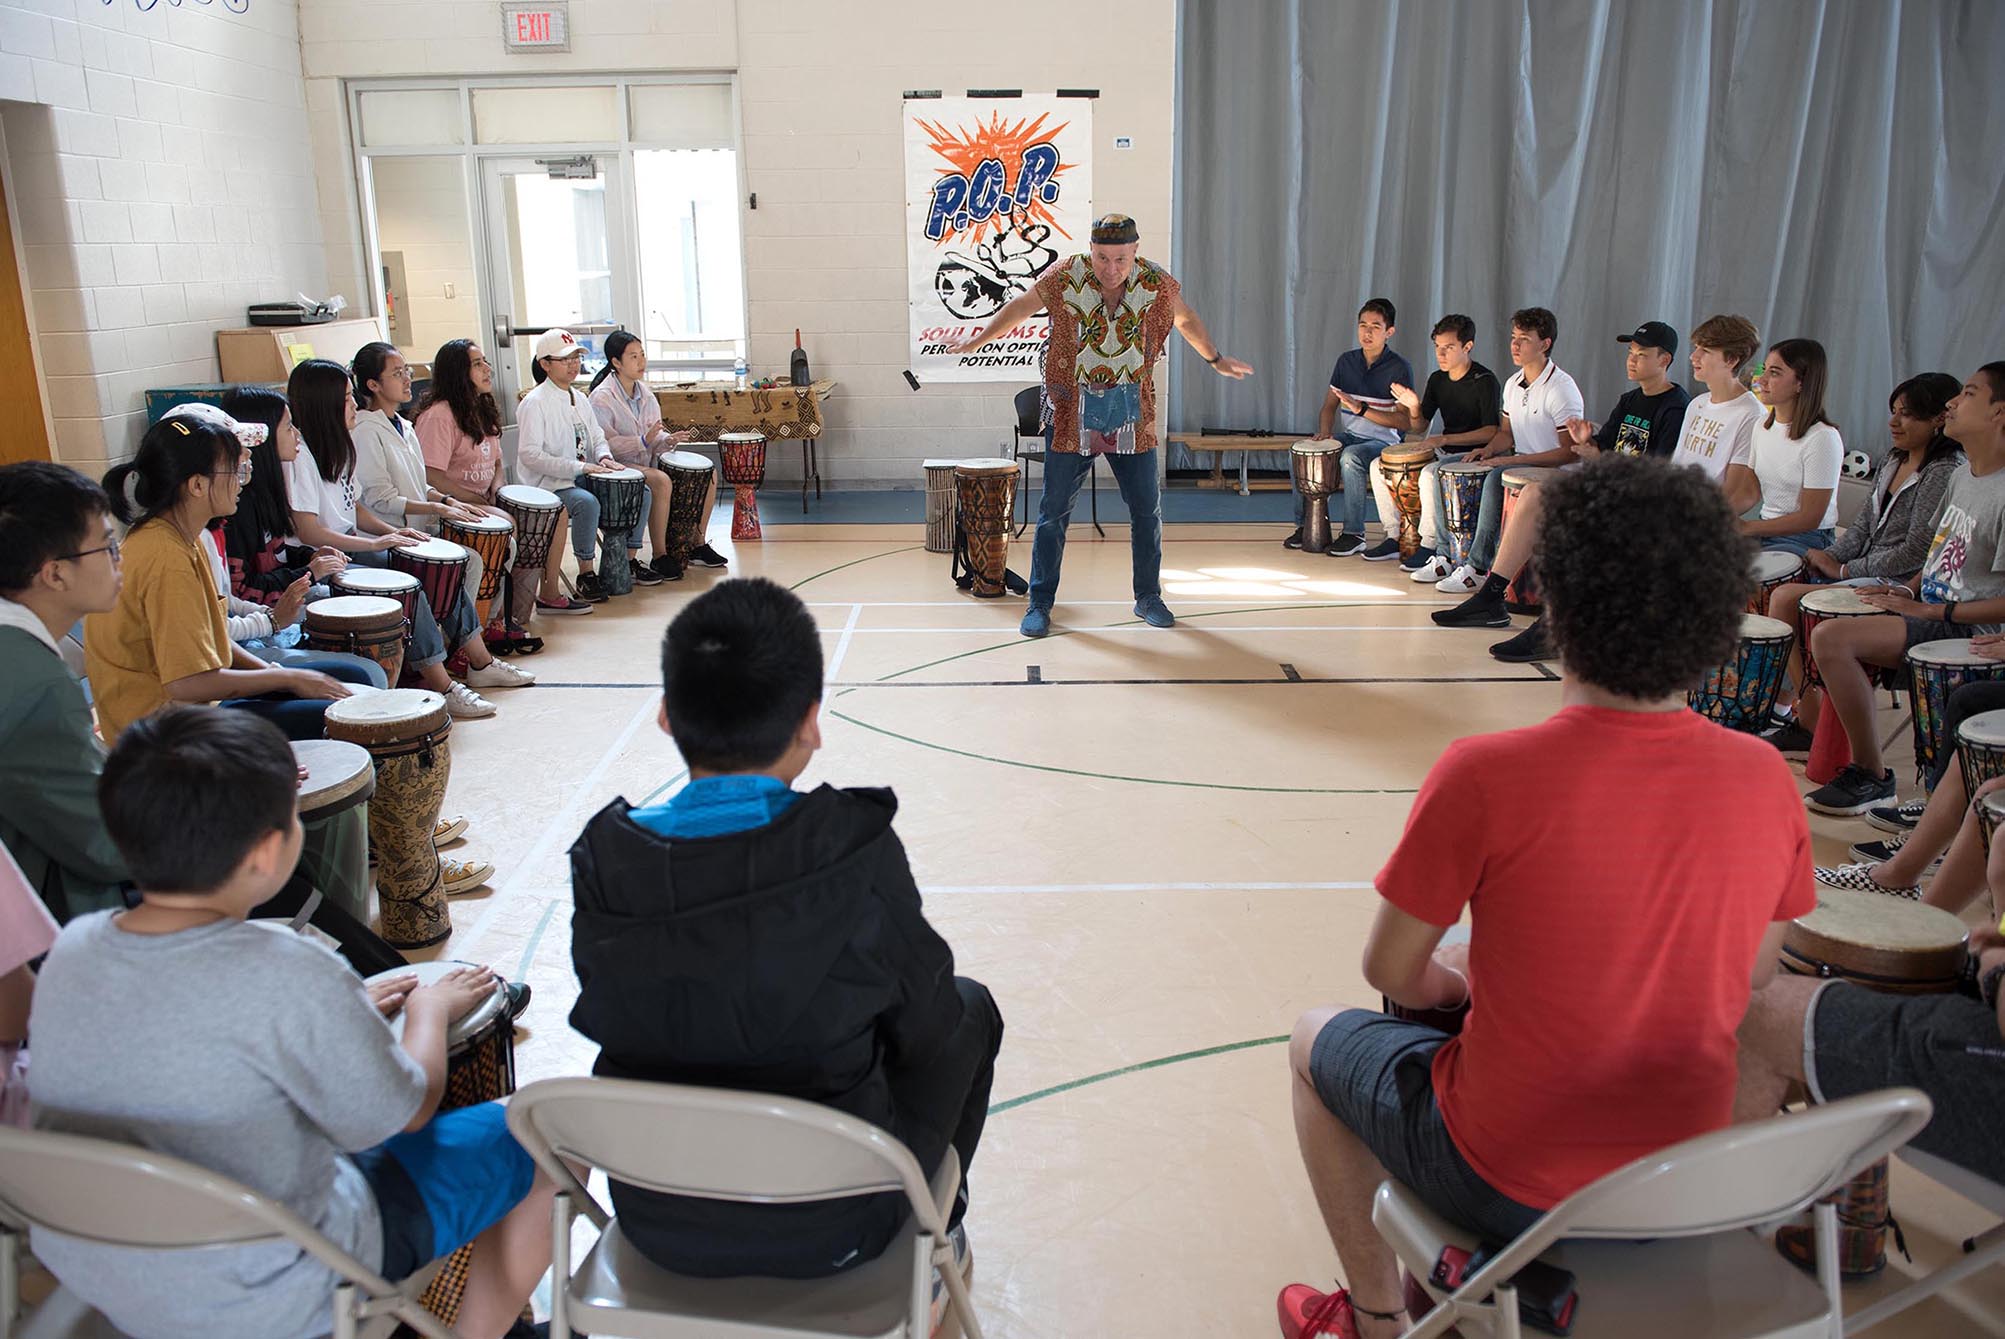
{"points": [[1860, 1041], [1375, 1075], [1935, 630]]}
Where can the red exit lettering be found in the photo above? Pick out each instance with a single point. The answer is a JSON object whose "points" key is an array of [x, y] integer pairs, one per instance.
{"points": [[532, 27]]}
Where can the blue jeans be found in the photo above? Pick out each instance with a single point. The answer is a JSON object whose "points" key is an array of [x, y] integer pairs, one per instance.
{"points": [[301, 717], [1064, 472], [1799, 543], [1360, 454], [299, 657], [582, 505]]}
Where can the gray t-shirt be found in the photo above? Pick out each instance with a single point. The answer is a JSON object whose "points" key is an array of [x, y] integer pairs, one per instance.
{"points": [[252, 1052], [1966, 561]]}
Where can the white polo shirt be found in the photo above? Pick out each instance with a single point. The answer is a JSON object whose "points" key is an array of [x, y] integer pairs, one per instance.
{"points": [[1538, 412]]}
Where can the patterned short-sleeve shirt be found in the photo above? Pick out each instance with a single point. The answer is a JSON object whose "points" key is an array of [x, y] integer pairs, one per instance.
{"points": [[1095, 348]]}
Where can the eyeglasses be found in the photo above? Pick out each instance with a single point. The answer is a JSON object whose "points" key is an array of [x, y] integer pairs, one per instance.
{"points": [[243, 471], [403, 372], [112, 548]]}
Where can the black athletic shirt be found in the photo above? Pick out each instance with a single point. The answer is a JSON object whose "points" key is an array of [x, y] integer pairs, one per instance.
{"points": [[1464, 405]]}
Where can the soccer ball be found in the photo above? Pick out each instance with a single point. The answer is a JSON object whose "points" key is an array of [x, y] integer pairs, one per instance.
{"points": [[1858, 464]]}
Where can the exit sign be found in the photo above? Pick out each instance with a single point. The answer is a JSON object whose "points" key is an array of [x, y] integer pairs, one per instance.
{"points": [[543, 27]]}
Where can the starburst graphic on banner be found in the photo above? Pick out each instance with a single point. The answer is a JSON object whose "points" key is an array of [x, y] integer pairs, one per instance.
{"points": [[964, 149]]}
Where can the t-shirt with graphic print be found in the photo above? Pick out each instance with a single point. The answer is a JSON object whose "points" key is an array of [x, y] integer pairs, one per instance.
{"points": [[1645, 425], [1719, 433], [1967, 559]]}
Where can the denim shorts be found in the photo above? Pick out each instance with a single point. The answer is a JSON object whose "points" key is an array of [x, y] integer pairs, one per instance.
{"points": [[440, 1187], [1375, 1074]]}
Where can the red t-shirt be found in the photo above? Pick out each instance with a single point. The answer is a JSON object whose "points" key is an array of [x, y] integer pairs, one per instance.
{"points": [[1620, 869]]}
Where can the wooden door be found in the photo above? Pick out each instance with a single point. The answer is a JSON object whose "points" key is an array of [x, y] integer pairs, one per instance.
{"points": [[24, 430]]}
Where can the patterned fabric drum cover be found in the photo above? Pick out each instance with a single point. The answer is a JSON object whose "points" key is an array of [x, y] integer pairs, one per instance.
{"points": [[1935, 670], [985, 499], [361, 625], [406, 731], [1741, 693], [622, 494], [1461, 506], [1773, 569], [744, 456], [1315, 465], [1401, 466], [688, 486]]}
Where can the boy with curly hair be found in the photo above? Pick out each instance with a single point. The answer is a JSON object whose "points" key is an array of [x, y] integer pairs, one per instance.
{"points": [[1617, 928]]}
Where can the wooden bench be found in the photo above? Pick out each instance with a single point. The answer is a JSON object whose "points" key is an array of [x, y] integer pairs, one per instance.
{"points": [[1218, 443]]}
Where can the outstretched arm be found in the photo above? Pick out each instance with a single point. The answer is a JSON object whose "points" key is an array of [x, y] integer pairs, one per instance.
{"points": [[1020, 309], [1191, 326]]}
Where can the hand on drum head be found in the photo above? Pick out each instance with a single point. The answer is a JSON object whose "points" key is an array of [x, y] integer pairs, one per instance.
{"points": [[411, 534], [457, 992], [312, 684], [389, 994], [1896, 600], [1822, 563], [600, 467], [1455, 957], [1990, 645], [325, 563]]}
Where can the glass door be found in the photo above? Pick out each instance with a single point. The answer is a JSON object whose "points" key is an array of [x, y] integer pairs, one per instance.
{"points": [[558, 254]]}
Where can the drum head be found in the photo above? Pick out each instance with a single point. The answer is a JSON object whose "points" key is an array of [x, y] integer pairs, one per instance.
{"points": [[931, 464], [739, 438], [1317, 448], [338, 776], [1873, 920], [1837, 601], [689, 460], [1949, 651], [1407, 455], [390, 706], [1465, 467], [530, 499], [378, 579], [353, 609], [486, 523], [985, 468], [621, 475], [1992, 806], [1987, 728], [1525, 474], [1759, 628], [1774, 565], [435, 551], [468, 1025]]}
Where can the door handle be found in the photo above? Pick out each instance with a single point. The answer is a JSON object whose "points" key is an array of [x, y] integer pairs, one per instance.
{"points": [[502, 326]]}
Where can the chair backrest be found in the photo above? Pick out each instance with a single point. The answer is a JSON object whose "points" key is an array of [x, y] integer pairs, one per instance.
{"points": [[122, 1195], [1743, 1175], [1030, 412], [712, 1142]]}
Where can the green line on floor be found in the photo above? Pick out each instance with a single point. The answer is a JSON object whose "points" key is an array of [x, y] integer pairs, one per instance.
{"points": [[535, 942], [662, 789], [909, 548], [1208, 1051]]}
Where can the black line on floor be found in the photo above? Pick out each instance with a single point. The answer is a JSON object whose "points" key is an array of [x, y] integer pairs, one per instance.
{"points": [[1292, 674], [1033, 674], [1542, 668]]}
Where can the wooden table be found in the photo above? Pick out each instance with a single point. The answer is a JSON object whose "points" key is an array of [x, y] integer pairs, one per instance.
{"points": [[1218, 443], [781, 413]]}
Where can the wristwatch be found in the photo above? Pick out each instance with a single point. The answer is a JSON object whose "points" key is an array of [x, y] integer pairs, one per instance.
{"points": [[1213, 360], [1949, 611]]}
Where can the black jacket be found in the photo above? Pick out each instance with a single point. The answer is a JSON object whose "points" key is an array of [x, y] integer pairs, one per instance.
{"points": [[791, 959]]}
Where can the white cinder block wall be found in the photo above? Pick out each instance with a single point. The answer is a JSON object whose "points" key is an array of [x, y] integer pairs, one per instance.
{"points": [[820, 83], [162, 182]]}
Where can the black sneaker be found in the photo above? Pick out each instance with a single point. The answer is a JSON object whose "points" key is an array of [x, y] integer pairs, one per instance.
{"points": [[1294, 541], [589, 588], [1480, 610], [1421, 557], [667, 568], [1879, 852], [1529, 645], [1790, 738], [705, 556], [1348, 546], [643, 574], [1382, 552], [518, 998], [1853, 791], [1897, 817]]}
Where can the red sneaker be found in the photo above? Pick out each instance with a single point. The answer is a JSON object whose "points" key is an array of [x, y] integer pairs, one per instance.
{"points": [[1309, 1314]]}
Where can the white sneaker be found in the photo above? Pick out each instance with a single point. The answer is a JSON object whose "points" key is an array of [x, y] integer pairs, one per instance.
{"points": [[462, 703], [1433, 569], [498, 673], [1461, 581]]}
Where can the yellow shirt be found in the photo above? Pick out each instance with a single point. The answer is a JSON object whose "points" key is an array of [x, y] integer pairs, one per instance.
{"points": [[169, 622]]}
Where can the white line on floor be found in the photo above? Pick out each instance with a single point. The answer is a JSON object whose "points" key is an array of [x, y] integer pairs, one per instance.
{"points": [[567, 820], [842, 645], [1265, 603], [1141, 887], [1144, 628]]}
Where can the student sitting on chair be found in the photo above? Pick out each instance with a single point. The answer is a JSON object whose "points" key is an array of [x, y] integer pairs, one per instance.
{"points": [[1613, 943], [742, 934], [258, 1055]]}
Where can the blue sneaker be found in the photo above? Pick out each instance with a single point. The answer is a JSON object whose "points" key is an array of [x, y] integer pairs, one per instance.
{"points": [[1036, 622], [1152, 611]]}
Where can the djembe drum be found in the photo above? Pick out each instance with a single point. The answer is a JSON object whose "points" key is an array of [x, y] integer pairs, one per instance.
{"points": [[1990, 811], [1935, 670], [1773, 569], [406, 731], [940, 493], [744, 456], [1442, 1020], [1881, 943], [1741, 693], [1523, 595], [440, 567], [984, 502], [688, 485], [382, 583], [1980, 748], [622, 495], [480, 1067], [487, 539], [1316, 479], [371, 626], [1401, 466], [1462, 484], [1828, 602], [537, 513], [334, 855]]}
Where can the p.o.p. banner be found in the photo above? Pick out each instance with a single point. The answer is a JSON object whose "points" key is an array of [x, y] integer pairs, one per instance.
{"points": [[996, 190]]}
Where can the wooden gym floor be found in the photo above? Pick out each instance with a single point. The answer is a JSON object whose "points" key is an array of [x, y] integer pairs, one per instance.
{"points": [[1156, 847]]}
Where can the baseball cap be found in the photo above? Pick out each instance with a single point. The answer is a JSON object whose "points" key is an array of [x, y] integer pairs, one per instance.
{"points": [[250, 434], [1652, 335], [557, 344]]}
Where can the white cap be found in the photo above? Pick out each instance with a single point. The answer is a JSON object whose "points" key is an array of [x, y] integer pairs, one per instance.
{"points": [[557, 344], [250, 434]]}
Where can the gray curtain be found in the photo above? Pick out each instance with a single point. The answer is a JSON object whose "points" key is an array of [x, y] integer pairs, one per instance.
{"points": [[1828, 168]]}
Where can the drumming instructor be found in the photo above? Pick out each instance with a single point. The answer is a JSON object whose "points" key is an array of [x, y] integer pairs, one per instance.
{"points": [[1111, 315]]}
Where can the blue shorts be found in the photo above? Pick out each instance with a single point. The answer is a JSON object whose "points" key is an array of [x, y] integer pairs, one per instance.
{"points": [[440, 1187], [1375, 1074]]}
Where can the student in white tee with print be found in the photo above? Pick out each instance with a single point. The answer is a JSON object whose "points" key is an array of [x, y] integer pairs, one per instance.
{"points": [[1719, 426], [559, 439], [1796, 452]]}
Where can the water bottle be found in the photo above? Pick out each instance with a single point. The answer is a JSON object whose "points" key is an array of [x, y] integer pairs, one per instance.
{"points": [[739, 371]]}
